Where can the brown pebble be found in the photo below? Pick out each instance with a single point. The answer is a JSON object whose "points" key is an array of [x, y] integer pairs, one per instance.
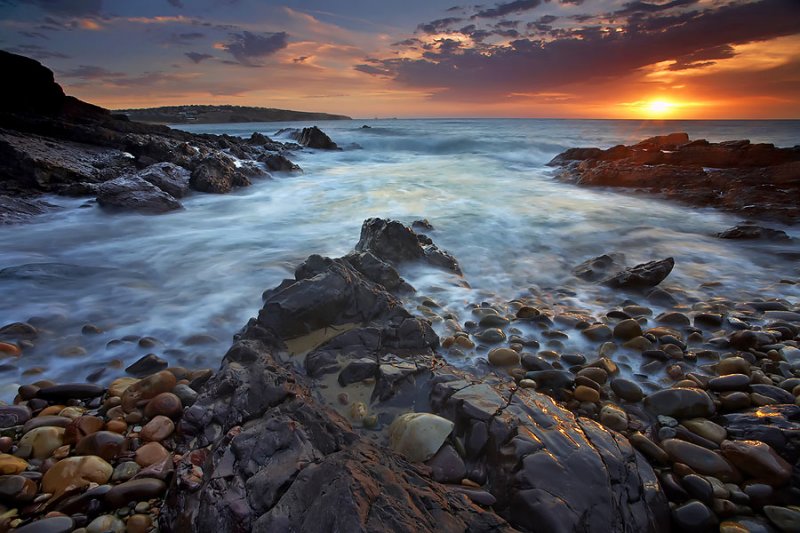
{"points": [[586, 394], [138, 523], [166, 404], [150, 453], [52, 410], [117, 426], [158, 429]]}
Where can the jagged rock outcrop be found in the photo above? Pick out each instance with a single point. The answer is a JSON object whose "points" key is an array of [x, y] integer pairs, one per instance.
{"points": [[314, 137], [134, 193], [738, 176], [272, 444], [642, 276]]}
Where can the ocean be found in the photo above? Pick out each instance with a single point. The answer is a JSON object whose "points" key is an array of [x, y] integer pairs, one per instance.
{"points": [[191, 279]]}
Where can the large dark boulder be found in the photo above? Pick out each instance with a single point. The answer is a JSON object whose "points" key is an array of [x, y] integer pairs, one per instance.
{"points": [[642, 276], [395, 243], [314, 137], [134, 193], [269, 445], [29, 87], [217, 174], [168, 177]]}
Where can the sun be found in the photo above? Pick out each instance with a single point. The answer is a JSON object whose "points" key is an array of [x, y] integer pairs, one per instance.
{"points": [[659, 107]]}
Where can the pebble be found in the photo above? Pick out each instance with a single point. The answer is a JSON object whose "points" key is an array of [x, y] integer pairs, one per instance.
{"points": [[649, 448], [759, 460], [418, 436], [693, 516], [118, 386], [135, 490], [18, 489], [151, 453], [40, 442], [188, 395], [14, 415], [139, 523], [613, 417], [627, 390], [733, 365], [491, 336], [76, 472], [699, 487], [729, 382], [598, 375], [158, 429], [147, 388], [55, 524], [701, 460], [125, 471], [147, 365], [784, 518], [628, 329], [69, 391], [586, 394], [165, 404], [504, 357], [680, 403], [106, 524], [8, 349], [706, 429], [10, 464], [105, 444], [597, 332]]}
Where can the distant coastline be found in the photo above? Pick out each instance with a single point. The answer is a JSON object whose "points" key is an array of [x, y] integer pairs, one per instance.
{"points": [[220, 114]]}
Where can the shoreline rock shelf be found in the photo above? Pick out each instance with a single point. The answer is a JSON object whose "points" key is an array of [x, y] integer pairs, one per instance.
{"points": [[757, 180], [51, 143], [296, 429]]}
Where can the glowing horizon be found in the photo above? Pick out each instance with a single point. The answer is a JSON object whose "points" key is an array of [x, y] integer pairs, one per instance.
{"points": [[615, 59]]}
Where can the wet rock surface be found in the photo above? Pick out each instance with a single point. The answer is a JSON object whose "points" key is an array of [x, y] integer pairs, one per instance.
{"points": [[52, 143], [738, 176]]}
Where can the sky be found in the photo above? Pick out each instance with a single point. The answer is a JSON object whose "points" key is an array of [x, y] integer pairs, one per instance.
{"points": [[736, 59]]}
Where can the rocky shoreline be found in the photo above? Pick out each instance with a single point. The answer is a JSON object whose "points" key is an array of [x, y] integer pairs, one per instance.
{"points": [[753, 180], [336, 409], [51, 143]]}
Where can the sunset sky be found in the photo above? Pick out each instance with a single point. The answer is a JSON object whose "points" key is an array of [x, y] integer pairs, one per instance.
{"points": [[423, 58]]}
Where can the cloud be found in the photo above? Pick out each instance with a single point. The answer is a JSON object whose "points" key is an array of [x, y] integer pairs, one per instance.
{"points": [[197, 57], [90, 72], [175, 3], [187, 38], [246, 47], [584, 54], [437, 26], [501, 10], [68, 8]]}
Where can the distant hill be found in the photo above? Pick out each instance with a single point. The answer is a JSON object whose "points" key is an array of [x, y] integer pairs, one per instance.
{"points": [[220, 114]]}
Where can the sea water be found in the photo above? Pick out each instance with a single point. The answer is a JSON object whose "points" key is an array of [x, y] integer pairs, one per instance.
{"points": [[190, 279]]}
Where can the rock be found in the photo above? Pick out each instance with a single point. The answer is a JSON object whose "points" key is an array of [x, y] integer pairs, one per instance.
{"points": [[752, 231], [733, 365], [104, 444], [11, 465], [418, 436], [784, 518], [216, 174], [597, 332], [599, 267], [706, 429], [628, 329], [314, 137], [17, 489], [118, 386], [729, 382], [641, 276], [614, 418], [586, 394], [701, 460], [39, 443], [168, 177], [106, 524], [758, 460], [147, 388], [699, 487], [158, 429], [70, 391], [134, 491], [147, 365], [378, 271], [150, 453], [504, 357], [14, 415], [133, 193], [694, 517], [627, 390], [395, 243], [166, 404], [139, 523], [55, 524], [125, 471], [279, 162], [358, 370], [185, 394], [75, 473], [447, 466], [680, 403], [491, 336]]}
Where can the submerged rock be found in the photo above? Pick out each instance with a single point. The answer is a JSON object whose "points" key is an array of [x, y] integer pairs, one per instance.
{"points": [[314, 137], [752, 232], [134, 193], [642, 276]]}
